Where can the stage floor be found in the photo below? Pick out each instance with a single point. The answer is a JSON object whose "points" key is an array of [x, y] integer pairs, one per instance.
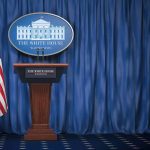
{"points": [[76, 142]]}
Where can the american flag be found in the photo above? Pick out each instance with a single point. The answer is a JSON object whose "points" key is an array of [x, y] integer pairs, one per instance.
{"points": [[3, 100]]}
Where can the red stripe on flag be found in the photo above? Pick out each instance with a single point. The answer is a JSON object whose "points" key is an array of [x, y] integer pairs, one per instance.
{"points": [[1, 73], [3, 101], [2, 108], [3, 94]]}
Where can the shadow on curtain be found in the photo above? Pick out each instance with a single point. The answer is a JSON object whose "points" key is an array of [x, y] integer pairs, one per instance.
{"points": [[107, 86]]}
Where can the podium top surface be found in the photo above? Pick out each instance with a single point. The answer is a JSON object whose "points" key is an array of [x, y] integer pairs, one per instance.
{"points": [[40, 65]]}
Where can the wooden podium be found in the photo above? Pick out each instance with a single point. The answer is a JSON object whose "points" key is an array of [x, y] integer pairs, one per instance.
{"points": [[40, 78]]}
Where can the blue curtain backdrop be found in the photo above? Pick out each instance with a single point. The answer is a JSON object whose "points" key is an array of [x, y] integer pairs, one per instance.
{"points": [[107, 85]]}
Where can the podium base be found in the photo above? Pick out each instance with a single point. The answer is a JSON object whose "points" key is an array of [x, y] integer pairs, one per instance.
{"points": [[38, 133]]}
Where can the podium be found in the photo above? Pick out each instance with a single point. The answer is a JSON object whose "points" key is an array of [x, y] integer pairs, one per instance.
{"points": [[40, 78]]}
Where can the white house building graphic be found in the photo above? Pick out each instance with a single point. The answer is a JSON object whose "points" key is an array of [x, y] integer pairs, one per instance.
{"points": [[41, 30]]}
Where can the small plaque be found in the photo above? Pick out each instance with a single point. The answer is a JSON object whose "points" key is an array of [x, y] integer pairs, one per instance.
{"points": [[40, 72]]}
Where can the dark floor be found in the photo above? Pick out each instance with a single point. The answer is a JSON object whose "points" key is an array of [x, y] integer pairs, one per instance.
{"points": [[75, 142]]}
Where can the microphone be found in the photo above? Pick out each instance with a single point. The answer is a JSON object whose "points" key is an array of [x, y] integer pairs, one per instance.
{"points": [[43, 54], [37, 51]]}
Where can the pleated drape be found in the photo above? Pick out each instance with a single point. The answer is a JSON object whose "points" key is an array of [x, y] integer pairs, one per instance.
{"points": [[107, 85]]}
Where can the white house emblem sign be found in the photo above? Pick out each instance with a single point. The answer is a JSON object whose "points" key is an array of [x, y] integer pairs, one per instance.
{"points": [[44, 31]]}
